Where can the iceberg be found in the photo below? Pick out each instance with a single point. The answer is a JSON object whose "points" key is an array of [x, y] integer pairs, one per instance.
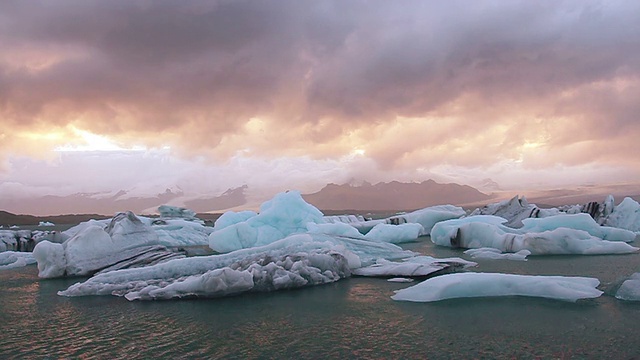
{"points": [[626, 215], [15, 259], [125, 240], [46, 223], [547, 237], [287, 213], [630, 289], [174, 212], [417, 266], [428, 217], [465, 285], [514, 211], [295, 261]]}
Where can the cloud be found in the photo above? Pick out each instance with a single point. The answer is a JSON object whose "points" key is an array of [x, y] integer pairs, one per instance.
{"points": [[416, 85]]}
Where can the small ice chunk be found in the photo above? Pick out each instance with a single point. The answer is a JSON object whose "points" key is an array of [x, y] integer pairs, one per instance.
{"points": [[630, 288], [400, 280], [46, 223], [491, 253], [464, 285]]}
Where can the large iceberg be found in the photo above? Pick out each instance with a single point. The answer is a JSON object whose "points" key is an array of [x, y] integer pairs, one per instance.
{"points": [[626, 215], [297, 260], [539, 236], [465, 285], [92, 248], [287, 213]]}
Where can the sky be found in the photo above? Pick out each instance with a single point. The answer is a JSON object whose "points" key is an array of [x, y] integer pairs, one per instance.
{"points": [[98, 96]]}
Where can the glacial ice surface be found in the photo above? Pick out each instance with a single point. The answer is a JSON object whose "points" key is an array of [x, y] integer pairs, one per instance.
{"points": [[297, 260], [94, 247], [465, 285]]}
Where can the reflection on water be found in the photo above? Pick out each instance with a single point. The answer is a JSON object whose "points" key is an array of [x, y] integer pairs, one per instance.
{"points": [[353, 318]]}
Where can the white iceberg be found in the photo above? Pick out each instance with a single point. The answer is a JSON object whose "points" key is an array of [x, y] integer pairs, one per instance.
{"points": [[417, 266], [626, 215], [46, 223], [395, 234], [297, 260], [466, 285], [15, 259], [93, 248], [486, 231], [630, 289], [514, 211], [495, 254], [428, 217]]}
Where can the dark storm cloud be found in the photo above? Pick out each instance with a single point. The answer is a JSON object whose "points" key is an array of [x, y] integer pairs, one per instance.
{"points": [[199, 71]]}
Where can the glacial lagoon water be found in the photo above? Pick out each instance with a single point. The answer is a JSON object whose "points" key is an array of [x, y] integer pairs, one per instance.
{"points": [[354, 318]]}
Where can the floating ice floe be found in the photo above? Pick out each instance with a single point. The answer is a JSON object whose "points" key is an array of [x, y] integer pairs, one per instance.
{"points": [[126, 240], [539, 236], [630, 288], [467, 285], [400, 280], [46, 223], [15, 259], [495, 254], [417, 266], [295, 261]]}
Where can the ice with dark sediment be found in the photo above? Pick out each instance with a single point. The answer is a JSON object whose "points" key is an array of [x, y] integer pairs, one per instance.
{"points": [[94, 248], [295, 261], [417, 266], [565, 234]]}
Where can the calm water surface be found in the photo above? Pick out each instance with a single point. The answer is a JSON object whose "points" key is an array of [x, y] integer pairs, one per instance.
{"points": [[354, 318]]}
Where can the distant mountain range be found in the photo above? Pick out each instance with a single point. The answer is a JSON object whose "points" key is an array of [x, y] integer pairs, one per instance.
{"points": [[393, 196], [109, 204]]}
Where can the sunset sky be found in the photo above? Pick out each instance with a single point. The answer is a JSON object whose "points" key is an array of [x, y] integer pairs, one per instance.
{"points": [[98, 96]]}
